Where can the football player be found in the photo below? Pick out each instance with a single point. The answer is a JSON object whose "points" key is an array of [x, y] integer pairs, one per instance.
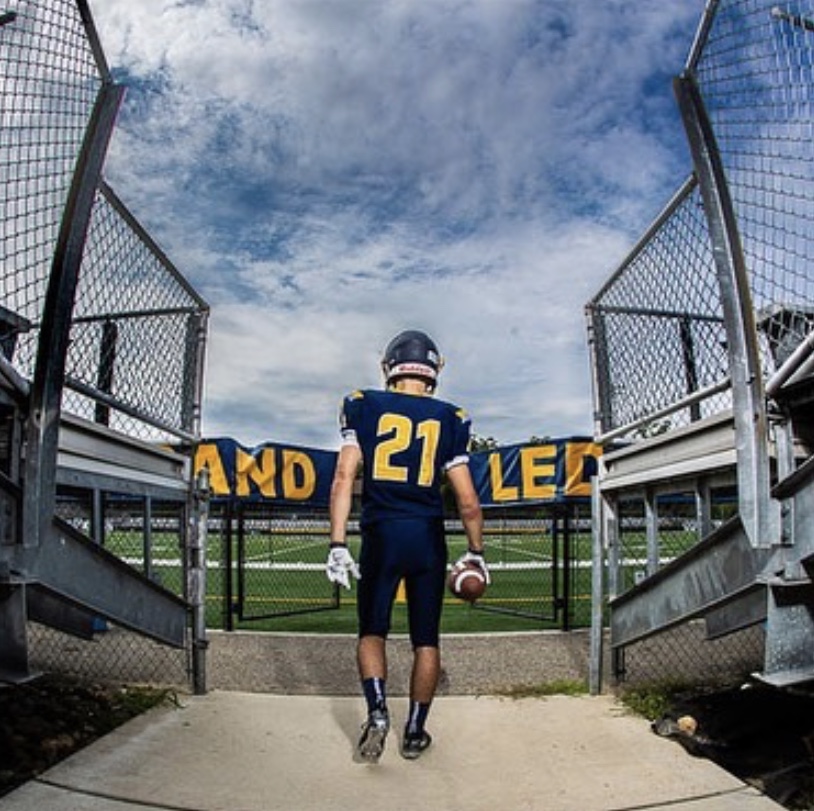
{"points": [[407, 444]]}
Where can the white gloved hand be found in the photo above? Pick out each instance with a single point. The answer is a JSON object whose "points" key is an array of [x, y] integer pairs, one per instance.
{"points": [[340, 563], [478, 559]]}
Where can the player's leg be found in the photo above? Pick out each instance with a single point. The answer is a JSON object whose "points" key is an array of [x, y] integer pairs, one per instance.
{"points": [[374, 599], [374, 605], [425, 596], [372, 657], [372, 661], [423, 683], [425, 674]]}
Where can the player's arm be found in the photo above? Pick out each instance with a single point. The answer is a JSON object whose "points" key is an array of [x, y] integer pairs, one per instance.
{"points": [[340, 564], [342, 491], [471, 515], [468, 503]]}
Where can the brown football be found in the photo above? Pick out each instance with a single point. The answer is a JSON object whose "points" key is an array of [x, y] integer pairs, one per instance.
{"points": [[466, 581]]}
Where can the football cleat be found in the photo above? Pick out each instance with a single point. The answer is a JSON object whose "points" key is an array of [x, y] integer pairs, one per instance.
{"points": [[413, 745], [374, 734]]}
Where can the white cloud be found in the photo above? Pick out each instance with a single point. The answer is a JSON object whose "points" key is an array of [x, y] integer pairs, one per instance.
{"points": [[328, 172]]}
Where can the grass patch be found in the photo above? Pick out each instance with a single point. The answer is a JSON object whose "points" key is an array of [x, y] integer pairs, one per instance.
{"points": [[457, 618], [652, 701]]}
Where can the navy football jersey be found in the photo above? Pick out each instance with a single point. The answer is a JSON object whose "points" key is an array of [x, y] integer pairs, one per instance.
{"points": [[407, 443]]}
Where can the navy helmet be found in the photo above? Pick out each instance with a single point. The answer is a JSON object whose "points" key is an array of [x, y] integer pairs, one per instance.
{"points": [[412, 353]]}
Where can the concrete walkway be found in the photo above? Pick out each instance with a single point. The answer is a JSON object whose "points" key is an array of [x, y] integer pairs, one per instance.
{"points": [[235, 751]]}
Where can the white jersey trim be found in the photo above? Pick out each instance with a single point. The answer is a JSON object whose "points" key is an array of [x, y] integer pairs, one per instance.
{"points": [[349, 438], [458, 460]]}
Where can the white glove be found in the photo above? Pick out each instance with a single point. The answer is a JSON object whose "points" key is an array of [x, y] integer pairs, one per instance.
{"points": [[478, 559], [340, 562]]}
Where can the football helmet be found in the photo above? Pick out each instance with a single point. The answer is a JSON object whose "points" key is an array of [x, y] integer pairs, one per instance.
{"points": [[412, 353]]}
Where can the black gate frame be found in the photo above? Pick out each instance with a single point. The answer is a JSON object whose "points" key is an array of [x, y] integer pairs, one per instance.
{"points": [[561, 516], [234, 514]]}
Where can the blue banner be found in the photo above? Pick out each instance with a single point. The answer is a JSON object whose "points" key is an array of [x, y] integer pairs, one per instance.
{"points": [[553, 471], [267, 472]]}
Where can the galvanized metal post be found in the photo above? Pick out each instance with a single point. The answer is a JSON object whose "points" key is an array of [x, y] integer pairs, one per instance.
{"points": [[193, 373], [760, 518], [597, 592], [604, 551], [196, 579], [600, 370], [702, 493], [147, 538], [42, 429], [651, 525]]}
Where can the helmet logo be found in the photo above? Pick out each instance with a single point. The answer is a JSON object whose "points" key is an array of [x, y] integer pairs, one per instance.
{"points": [[412, 368]]}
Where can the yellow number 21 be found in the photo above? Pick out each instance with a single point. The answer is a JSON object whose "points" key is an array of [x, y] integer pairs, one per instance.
{"points": [[401, 431]]}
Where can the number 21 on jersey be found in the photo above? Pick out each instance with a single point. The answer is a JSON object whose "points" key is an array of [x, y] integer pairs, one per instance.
{"points": [[398, 433]]}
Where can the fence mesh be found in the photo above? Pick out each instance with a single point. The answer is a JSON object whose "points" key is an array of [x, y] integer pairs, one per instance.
{"points": [[267, 568], [134, 339], [148, 535], [684, 656], [658, 322], [49, 80], [113, 655], [756, 75], [135, 330], [658, 325]]}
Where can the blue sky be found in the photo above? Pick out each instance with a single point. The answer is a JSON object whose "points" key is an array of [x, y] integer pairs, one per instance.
{"points": [[329, 172]]}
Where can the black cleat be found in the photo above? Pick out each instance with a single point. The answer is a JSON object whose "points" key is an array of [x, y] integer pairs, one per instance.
{"points": [[413, 745]]}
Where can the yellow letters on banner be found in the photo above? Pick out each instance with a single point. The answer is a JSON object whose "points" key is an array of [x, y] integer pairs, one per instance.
{"points": [[207, 455], [575, 455], [289, 472], [532, 471], [538, 472], [298, 466], [499, 491], [261, 471]]}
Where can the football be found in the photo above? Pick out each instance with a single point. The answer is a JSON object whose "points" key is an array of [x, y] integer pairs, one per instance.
{"points": [[467, 581]]}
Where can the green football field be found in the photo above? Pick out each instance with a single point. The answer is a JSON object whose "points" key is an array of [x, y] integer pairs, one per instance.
{"points": [[277, 580]]}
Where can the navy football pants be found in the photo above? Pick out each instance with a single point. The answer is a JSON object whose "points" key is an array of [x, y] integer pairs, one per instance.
{"points": [[413, 549]]}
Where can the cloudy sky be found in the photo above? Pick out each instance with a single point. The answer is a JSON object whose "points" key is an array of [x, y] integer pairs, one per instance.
{"points": [[329, 172]]}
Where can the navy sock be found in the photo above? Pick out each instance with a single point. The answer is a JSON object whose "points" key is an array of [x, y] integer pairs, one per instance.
{"points": [[375, 694], [416, 719]]}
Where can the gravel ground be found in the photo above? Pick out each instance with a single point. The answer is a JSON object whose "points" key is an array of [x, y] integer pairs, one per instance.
{"points": [[326, 665]]}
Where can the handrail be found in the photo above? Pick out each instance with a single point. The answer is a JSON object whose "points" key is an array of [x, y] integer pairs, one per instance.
{"points": [[794, 361], [684, 402]]}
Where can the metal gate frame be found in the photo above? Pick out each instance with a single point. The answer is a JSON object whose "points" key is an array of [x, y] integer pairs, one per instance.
{"points": [[234, 517], [561, 516]]}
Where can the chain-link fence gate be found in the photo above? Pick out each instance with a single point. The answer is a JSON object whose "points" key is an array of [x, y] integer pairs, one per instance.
{"points": [[267, 564]]}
